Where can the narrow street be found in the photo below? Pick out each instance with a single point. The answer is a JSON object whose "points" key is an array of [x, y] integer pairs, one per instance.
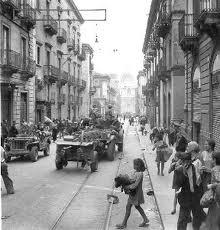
{"points": [[42, 193]]}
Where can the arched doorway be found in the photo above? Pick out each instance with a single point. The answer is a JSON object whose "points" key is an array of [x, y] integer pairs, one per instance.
{"points": [[216, 98]]}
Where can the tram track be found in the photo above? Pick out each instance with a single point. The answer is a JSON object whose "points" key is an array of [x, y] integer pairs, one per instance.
{"points": [[107, 215]]}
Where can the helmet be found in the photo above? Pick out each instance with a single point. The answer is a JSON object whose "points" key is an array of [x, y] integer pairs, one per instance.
{"points": [[109, 106]]}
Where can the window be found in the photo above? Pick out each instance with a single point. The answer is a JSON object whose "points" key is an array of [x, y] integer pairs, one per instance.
{"points": [[5, 38], [216, 63], [38, 55], [196, 79]]}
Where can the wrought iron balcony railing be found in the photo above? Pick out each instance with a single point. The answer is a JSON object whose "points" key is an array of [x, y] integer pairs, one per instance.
{"points": [[82, 55], [70, 43], [208, 20], [10, 60], [15, 4], [28, 15], [28, 66], [50, 25], [164, 24], [51, 72], [64, 76], [211, 6], [187, 33], [61, 36]]}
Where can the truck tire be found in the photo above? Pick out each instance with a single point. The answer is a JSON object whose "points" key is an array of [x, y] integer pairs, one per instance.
{"points": [[59, 165], [34, 154], [47, 150], [120, 147], [94, 164], [111, 151]]}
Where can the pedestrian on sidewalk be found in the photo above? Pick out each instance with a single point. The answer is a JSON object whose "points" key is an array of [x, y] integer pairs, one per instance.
{"points": [[138, 198], [4, 172], [160, 145], [191, 189], [207, 162], [213, 217]]}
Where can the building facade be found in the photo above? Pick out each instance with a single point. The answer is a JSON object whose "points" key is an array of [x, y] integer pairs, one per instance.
{"points": [[199, 38], [87, 68], [17, 65], [102, 95], [141, 92], [164, 63], [128, 95], [59, 57]]}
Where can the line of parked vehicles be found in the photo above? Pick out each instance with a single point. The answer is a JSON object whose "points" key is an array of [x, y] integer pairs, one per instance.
{"points": [[85, 146]]}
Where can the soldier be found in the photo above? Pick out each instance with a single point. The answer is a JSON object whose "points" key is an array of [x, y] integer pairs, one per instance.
{"points": [[4, 171]]}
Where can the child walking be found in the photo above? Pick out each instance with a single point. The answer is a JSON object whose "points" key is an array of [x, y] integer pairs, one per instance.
{"points": [[138, 198]]}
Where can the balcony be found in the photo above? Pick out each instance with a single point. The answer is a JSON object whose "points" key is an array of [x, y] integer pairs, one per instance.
{"points": [[61, 37], [63, 77], [70, 44], [76, 49], [28, 16], [61, 99], [51, 73], [163, 73], [146, 64], [28, 67], [188, 36], [208, 20], [10, 61], [152, 50], [92, 91], [81, 84], [9, 5], [50, 25], [164, 24], [79, 100], [82, 55], [149, 58], [144, 90]]}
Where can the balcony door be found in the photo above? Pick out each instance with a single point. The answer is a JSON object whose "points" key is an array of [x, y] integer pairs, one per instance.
{"points": [[48, 57], [6, 44], [23, 51], [23, 108]]}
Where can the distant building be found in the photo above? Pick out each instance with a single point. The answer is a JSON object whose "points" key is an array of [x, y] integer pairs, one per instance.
{"points": [[128, 95], [87, 68], [102, 95], [141, 91]]}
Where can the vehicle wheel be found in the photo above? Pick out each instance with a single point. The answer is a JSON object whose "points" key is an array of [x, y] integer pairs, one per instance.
{"points": [[120, 147], [34, 154], [47, 150], [94, 164], [59, 165], [7, 159], [111, 151]]}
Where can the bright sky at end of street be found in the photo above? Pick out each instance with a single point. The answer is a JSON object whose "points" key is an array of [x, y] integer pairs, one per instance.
{"points": [[123, 31]]}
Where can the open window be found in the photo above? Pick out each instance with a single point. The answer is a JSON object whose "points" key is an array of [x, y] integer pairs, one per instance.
{"points": [[216, 68], [196, 79]]}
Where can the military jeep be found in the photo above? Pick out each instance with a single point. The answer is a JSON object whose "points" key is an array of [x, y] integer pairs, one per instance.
{"points": [[23, 145]]}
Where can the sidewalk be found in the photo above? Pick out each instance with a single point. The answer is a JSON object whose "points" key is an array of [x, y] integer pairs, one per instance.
{"points": [[162, 185], [132, 150]]}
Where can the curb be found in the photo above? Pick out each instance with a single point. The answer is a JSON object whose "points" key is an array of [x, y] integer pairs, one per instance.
{"points": [[155, 198]]}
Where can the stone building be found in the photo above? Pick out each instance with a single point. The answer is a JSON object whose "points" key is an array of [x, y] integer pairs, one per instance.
{"points": [[128, 94], [199, 38], [101, 97], [17, 65], [87, 69], [164, 63], [141, 91], [59, 57]]}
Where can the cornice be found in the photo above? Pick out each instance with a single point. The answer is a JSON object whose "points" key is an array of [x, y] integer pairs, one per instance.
{"points": [[76, 11]]}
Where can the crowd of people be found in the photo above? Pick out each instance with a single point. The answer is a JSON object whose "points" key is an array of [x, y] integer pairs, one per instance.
{"points": [[196, 177]]}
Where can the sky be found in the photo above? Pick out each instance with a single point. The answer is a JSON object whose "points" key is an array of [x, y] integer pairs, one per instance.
{"points": [[123, 31]]}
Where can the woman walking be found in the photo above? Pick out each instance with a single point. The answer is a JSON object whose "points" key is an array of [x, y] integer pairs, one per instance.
{"points": [[138, 198], [159, 146]]}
